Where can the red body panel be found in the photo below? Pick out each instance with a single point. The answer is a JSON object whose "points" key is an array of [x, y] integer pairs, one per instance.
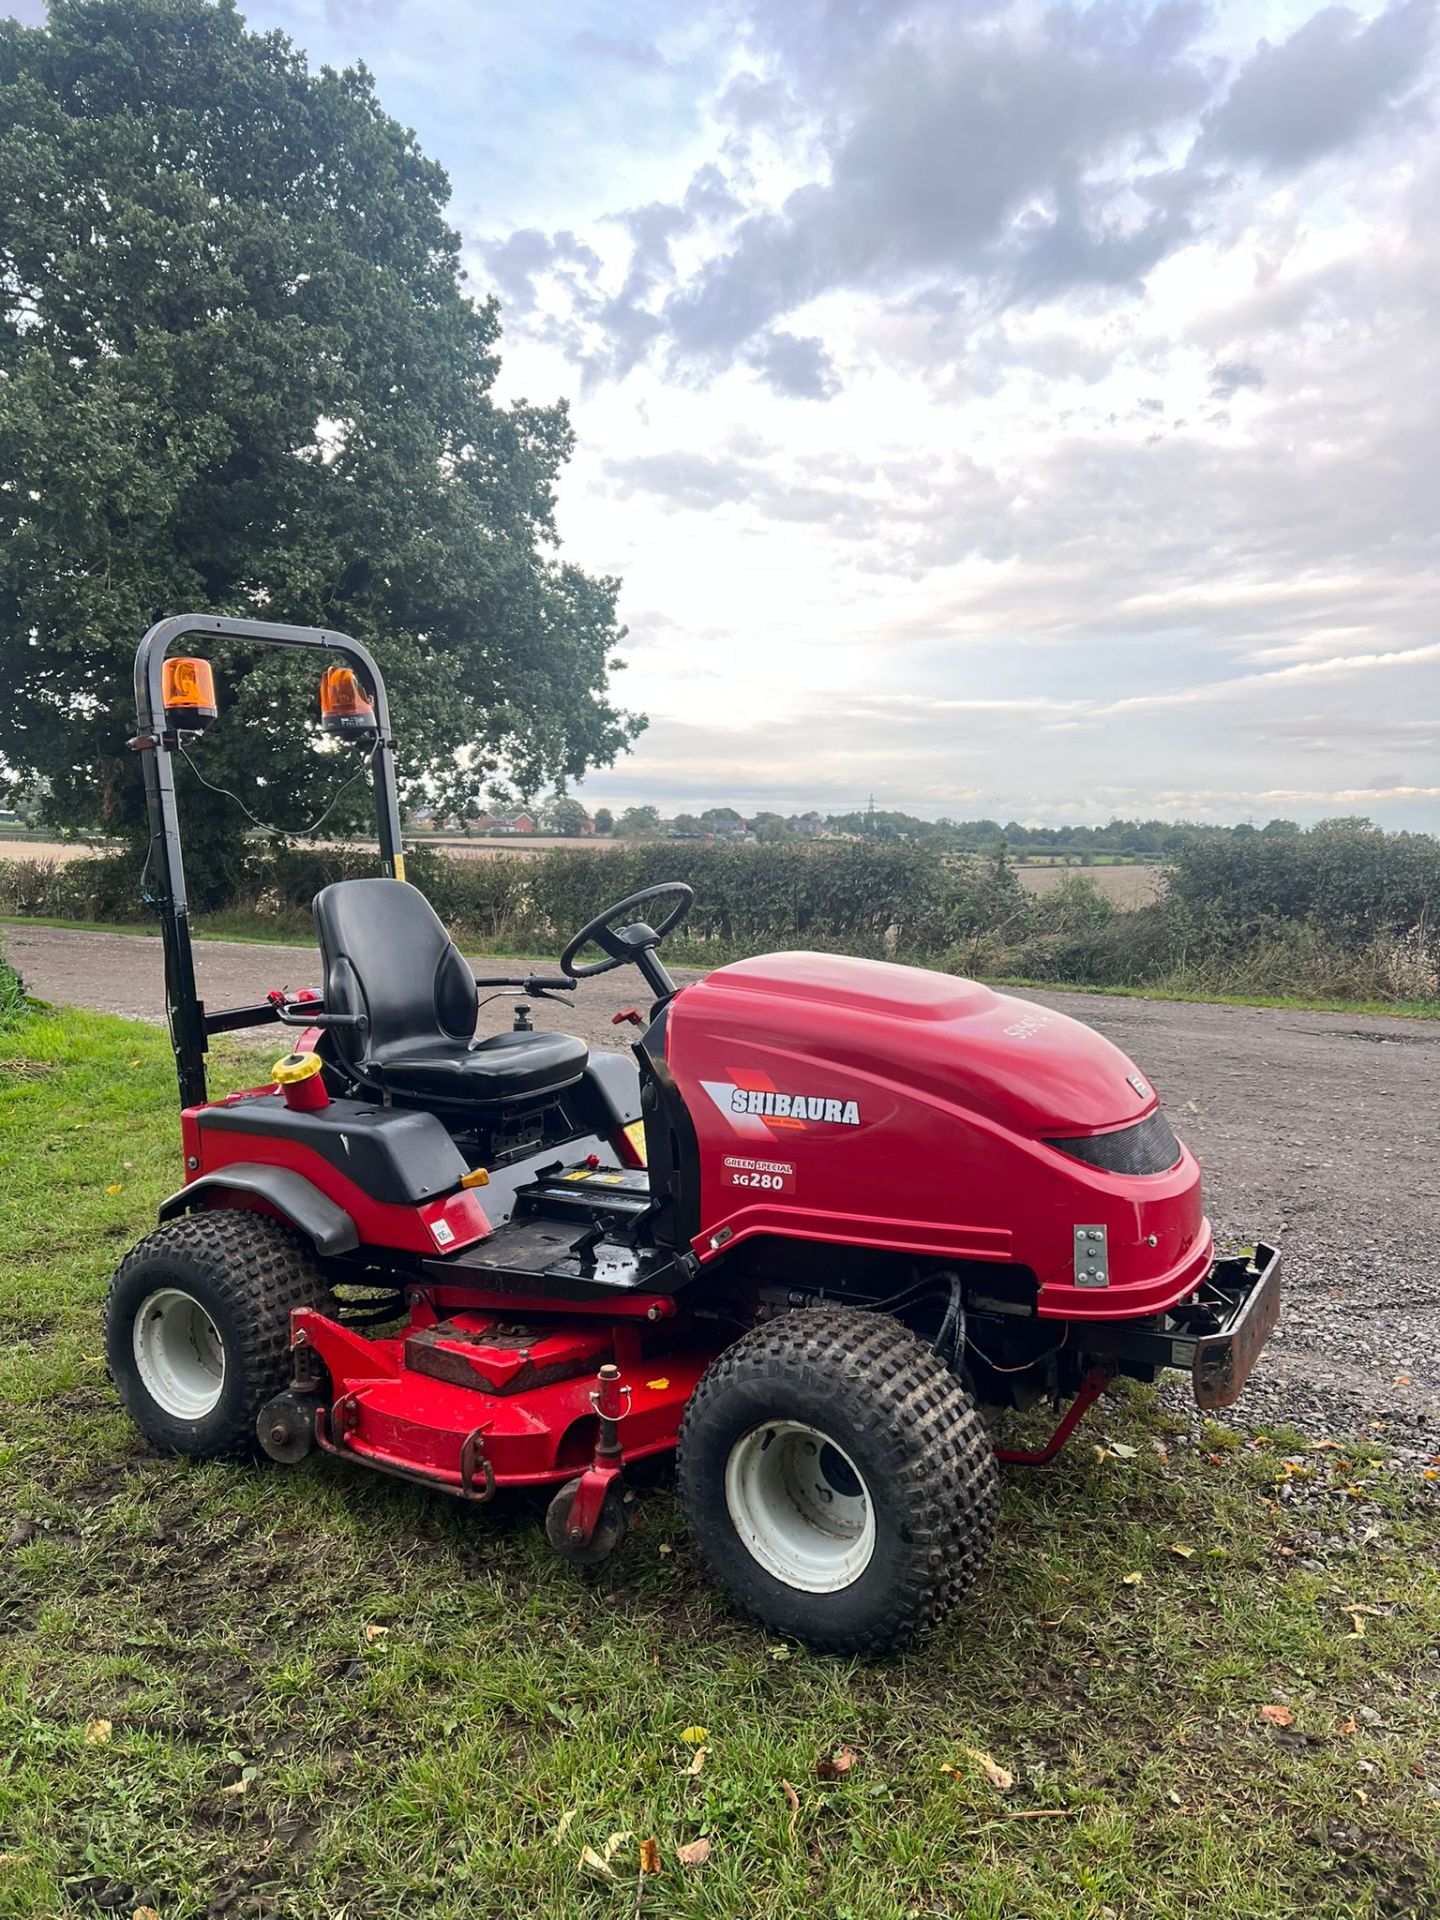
{"points": [[904, 1109], [380, 1223]]}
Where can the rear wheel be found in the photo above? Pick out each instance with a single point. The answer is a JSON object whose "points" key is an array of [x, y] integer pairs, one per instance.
{"points": [[197, 1328], [837, 1479]]}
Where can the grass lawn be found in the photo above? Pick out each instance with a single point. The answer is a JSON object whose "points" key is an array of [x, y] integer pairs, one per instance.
{"points": [[1210, 1662]]}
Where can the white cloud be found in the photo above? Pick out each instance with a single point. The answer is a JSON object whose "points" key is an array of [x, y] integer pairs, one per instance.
{"points": [[1017, 410]]}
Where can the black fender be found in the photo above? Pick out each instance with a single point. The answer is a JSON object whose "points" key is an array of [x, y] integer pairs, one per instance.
{"points": [[293, 1197]]}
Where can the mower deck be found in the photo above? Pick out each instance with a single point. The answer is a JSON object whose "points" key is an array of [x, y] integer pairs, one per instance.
{"points": [[479, 1401]]}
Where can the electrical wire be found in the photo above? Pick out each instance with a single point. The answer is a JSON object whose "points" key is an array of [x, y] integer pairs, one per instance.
{"points": [[1026, 1365], [366, 766]]}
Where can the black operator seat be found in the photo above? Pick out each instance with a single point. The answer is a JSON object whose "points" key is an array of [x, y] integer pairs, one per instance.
{"points": [[388, 957]]}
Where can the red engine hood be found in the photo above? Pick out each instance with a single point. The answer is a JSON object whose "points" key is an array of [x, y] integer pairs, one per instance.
{"points": [[1020, 1065]]}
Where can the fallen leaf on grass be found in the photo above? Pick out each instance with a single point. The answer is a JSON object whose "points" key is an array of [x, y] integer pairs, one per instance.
{"points": [[694, 1853], [562, 1826], [697, 1762], [835, 1766], [780, 1652], [374, 1633], [97, 1732], [998, 1776], [592, 1863], [116, 1188], [1041, 1813], [236, 1788], [1275, 1716], [1121, 1451], [1322, 1446], [1347, 1728], [1358, 1632], [649, 1856], [1185, 1553], [617, 1841], [145, 1913], [1133, 1580], [793, 1797], [694, 1736]]}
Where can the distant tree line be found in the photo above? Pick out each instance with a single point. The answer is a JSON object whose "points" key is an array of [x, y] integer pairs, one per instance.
{"points": [[1119, 839]]}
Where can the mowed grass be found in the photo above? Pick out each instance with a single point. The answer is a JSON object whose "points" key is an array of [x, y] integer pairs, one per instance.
{"points": [[255, 1692]]}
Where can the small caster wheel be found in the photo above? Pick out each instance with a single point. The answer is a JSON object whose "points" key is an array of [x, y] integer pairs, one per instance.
{"points": [[609, 1528], [286, 1425]]}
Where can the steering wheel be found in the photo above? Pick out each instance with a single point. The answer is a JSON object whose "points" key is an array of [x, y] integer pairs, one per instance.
{"points": [[627, 943]]}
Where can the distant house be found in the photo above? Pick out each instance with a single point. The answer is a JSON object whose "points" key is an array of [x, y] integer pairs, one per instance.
{"points": [[727, 829], [810, 826], [515, 820]]}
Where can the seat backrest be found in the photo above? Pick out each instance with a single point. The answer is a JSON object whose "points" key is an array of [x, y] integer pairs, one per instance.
{"points": [[387, 956]]}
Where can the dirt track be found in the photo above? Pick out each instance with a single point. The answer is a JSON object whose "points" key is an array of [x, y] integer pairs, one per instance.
{"points": [[1321, 1129]]}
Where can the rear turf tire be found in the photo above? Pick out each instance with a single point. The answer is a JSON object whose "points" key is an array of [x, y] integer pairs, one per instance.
{"points": [[197, 1328], [838, 1479]]}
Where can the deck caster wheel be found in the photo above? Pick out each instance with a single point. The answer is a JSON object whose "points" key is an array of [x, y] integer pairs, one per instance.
{"points": [[609, 1528], [286, 1426]]}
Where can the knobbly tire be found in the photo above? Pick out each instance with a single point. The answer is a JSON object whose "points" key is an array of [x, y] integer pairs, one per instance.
{"points": [[868, 1511], [216, 1290]]}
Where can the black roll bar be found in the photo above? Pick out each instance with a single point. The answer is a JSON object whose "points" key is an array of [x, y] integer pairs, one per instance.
{"points": [[190, 1024]]}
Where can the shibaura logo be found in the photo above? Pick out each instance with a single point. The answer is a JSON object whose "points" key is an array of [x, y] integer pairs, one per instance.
{"points": [[754, 1105]]}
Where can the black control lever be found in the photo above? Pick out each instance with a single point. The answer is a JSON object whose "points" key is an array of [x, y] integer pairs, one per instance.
{"points": [[528, 982]]}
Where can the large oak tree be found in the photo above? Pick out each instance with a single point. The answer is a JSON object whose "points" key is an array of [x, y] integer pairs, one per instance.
{"points": [[239, 373]]}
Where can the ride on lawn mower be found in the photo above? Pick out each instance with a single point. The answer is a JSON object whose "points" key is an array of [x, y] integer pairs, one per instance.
{"points": [[831, 1215]]}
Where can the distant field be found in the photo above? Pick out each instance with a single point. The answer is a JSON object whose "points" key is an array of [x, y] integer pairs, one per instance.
{"points": [[1127, 886], [1133, 886], [19, 846]]}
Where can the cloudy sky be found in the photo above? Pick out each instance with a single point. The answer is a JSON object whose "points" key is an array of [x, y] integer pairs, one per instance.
{"points": [[1027, 410]]}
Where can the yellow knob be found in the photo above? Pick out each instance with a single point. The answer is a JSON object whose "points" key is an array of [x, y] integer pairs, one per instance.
{"points": [[295, 1067]]}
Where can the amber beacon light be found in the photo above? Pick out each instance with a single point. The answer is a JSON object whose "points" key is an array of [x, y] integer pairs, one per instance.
{"points": [[189, 694], [346, 710]]}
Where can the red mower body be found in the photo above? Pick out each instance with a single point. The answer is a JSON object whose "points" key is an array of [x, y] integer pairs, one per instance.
{"points": [[863, 1104], [872, 1204]]}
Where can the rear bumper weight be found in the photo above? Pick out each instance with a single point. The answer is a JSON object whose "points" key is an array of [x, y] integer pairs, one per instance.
{"points": [[1215, 1335], [1248, 1296]]}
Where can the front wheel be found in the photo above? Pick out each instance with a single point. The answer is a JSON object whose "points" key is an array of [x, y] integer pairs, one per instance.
{"points": [[197, 1328], [837, 1479]]}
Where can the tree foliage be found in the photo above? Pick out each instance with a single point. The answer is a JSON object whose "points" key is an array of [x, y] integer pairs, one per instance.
{"points": [[238, 373], [562, 814]]}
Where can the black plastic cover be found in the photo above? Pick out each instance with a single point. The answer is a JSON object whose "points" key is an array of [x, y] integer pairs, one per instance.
{"points": [[1147, 1147], [394, 1154]]}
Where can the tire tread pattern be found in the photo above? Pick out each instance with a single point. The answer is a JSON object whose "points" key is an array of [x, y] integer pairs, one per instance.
{"points": [[947, 1482], [265, 1270]]}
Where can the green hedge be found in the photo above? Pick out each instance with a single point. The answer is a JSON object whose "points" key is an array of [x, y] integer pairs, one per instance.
{"points": [[866, 900], [1342, 910]]}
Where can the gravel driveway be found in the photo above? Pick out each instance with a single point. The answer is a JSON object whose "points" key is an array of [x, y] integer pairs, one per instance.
{"points": [[1320, 1129]]}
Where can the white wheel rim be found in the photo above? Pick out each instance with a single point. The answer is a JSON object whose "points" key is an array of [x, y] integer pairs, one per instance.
{"points": [[179, 1354], [800, 1506]]}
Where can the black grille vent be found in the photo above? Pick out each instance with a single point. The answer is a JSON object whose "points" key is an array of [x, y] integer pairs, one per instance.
{"points": [[1149, 1147]]}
